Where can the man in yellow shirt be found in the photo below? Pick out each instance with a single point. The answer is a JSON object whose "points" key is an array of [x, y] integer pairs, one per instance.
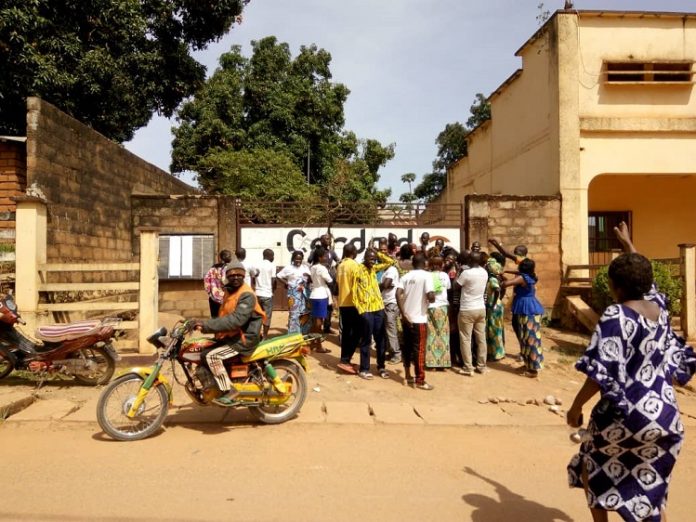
{"points": [[350, 320], [367, 298]]}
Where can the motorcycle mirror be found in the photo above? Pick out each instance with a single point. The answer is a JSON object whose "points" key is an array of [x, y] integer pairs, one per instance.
{"points": [[154, 338]]}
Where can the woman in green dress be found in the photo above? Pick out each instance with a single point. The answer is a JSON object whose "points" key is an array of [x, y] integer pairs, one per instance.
{"points": [[495, 330]]}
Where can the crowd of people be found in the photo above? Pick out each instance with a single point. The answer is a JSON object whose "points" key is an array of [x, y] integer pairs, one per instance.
{"points": [[446, 304], [448, 307], [426, 306]]}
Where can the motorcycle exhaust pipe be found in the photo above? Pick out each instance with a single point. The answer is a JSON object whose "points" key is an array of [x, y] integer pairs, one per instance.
{"points": [[74, 365], [268, 393]]}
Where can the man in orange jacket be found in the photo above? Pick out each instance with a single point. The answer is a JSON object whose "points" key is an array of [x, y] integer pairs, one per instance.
{"points": [[238, 328]]}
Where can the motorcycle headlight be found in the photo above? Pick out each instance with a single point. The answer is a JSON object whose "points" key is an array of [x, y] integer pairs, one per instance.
{"points": [[10, 304]]}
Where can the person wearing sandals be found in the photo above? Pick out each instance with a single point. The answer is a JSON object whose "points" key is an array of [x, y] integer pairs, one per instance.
{"points": [[367, 299], [437, 350], [349, 319], [528, 311], [519, 254], [472, 315], [388, 284], [413, 295], [296, 277], [495, 327], [635, 433], [321, 293]]}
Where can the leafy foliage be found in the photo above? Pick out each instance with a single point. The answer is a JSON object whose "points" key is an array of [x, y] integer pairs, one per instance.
{"points": [[451, 146], [666, 283], [108, 63], [480, 111], [259, 174], [287, 107]]}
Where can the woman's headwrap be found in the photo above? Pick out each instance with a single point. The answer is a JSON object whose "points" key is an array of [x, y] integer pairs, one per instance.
{"points": [[494, 267]]}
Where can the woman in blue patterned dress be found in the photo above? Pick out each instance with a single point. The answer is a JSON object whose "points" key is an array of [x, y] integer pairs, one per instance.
{"points": [[634, 434], [296, 277], [527, 310]]}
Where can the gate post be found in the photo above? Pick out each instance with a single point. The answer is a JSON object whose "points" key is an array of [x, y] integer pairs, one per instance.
{"points": [[30, 253], [688, 308], [149, 288]]}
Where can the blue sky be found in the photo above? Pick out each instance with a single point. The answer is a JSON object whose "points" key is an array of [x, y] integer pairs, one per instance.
{"points": [[412, 66]]}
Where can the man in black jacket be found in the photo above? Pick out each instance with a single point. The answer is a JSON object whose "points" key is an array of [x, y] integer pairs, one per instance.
{"points": [[238, 328]]}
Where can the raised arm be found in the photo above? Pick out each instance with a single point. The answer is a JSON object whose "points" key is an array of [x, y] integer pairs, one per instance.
{"points": [[384, 262], [500, 249], [624, 237]]}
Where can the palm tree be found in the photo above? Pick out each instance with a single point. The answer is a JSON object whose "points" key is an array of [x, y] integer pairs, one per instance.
{"points": [[409, 178]]}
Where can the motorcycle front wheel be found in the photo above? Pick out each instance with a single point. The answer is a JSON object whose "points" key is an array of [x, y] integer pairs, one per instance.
{"points": [[7, 362], [289, 372], [98, 366], [117, 399]]}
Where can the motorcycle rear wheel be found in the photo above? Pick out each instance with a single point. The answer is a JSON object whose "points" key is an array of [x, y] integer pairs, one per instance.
{"points": [[115, 401], [104, 370], [7, 363], [288, 371]]}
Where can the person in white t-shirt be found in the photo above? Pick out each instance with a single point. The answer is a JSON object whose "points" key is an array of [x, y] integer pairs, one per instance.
{"points": [[472, 314], [251, 271], [413, 295], [265, 286], [388, 281], [321, 292]]}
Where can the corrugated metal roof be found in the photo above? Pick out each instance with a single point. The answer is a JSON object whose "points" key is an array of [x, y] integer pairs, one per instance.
{"points": [[18, 139]]}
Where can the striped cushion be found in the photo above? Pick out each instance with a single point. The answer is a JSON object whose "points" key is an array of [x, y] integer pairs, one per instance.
{"points": [[54, 333]]}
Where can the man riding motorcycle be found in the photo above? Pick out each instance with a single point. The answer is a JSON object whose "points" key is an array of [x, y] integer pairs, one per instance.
{"points": [[237, 328]]}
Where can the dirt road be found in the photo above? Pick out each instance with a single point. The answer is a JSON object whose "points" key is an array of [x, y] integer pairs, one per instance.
{"points": [[302, 472], [472, 449]]}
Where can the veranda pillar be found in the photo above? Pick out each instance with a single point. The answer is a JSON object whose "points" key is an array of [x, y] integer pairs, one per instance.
{"points": [[149, 289], [30, 252], [688, 315]]}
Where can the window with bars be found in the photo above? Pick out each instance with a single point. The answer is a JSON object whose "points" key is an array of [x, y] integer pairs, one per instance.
{"points": [[648, 72], [601, 229], [185, 256]]}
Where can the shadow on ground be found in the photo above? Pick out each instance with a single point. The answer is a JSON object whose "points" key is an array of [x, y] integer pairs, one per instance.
{"points": [[509, 505]]}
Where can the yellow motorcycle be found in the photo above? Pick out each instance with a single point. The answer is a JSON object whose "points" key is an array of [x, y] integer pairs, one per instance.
{"points": [[270, 382]]}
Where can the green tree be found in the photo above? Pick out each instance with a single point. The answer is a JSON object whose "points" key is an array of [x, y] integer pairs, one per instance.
{"points": [[409, 178], [451, 146], [274, 102], [256, 175], [480, 111], [108, 63]]}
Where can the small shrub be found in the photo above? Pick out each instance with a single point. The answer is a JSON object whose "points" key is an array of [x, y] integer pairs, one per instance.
{"points": [[664, 280]]}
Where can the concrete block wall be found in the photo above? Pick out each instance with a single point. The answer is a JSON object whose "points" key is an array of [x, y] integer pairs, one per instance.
{"points": [[185, 297], [185, 214], [190, 214], [88, 181], [534, 221]]}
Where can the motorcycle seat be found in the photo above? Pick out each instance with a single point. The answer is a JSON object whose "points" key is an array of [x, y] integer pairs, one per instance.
{"points": [[55, 333]]}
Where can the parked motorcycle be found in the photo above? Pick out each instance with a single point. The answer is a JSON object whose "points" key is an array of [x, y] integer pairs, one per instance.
{"points": [[270, 382], [81, 349]]}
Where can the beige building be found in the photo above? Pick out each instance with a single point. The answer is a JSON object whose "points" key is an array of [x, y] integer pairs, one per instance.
{"points": [[602, 113]]}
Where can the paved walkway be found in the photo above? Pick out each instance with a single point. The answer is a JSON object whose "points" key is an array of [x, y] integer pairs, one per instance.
{"points": [[499, 398]]}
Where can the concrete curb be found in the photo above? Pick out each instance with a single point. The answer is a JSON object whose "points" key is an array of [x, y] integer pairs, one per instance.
{"points": [[14, 403]]}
